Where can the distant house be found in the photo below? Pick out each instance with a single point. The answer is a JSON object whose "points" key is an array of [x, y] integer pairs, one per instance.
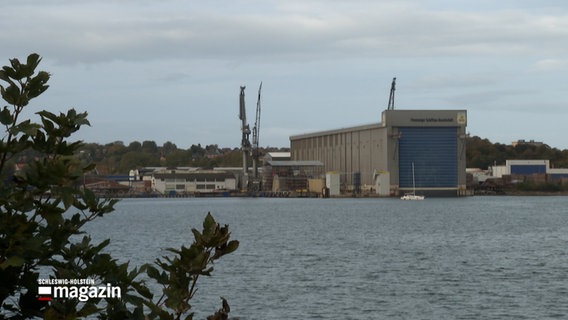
{"points": [[527, 143], [180, 181]]}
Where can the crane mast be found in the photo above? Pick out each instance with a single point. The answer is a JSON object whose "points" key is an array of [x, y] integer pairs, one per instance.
{"points": [[250, 151], [245, 130]]}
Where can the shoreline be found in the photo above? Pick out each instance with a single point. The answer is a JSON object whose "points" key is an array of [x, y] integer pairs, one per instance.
{"points": [[293, 195]]}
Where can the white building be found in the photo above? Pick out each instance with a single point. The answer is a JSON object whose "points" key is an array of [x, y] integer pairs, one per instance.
{"points": [[528, 167], [178, 181], [522, 167]]}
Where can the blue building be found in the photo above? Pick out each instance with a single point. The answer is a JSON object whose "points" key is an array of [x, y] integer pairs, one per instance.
{"points": [[530, 168]]}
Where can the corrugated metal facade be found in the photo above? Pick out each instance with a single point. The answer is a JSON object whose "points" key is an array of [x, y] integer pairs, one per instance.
{"points": [[528, 169], [346, 151]]}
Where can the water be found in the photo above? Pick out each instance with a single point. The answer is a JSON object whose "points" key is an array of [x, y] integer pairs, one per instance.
{"points": [[467, 258]]}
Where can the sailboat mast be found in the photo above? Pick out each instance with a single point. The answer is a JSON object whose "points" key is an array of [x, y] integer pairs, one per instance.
{"points": [[413, 180]]}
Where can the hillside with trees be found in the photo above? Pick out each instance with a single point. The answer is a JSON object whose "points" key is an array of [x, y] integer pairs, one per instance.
{"points": [[481, 153], [118, 158]]}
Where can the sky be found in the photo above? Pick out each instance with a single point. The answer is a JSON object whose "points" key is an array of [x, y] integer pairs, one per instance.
{"points": [[171, 70]]}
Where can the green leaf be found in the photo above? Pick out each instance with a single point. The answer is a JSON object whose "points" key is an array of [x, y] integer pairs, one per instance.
{"points": [[152, 271], [81, 119], [37, 85], [33, 60], [196, 235], [68, 199], [48, 115], [209, 222], [88, 309], [26, 127], [6, 116], [15, 64], [142, 290], [231, 246], [4, 75], [90, 198], [14, 261], [12, 95], [8, 74], [90, 167]]}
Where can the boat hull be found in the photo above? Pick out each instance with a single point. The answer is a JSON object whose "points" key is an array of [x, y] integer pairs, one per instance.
{"points": [[412, 197]]}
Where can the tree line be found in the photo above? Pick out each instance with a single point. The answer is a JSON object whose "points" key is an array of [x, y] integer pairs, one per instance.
{"points": [[118, 158], [482, 153]]}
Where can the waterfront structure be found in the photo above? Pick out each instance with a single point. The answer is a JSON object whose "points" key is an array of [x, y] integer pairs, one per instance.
{"points": [[379, 156], [176, 181], [534, 170], [288, 175]]}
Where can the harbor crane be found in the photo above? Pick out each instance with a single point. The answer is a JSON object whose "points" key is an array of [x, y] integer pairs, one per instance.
{"points": [[250, 150], [255, 139], [391, 97], [245, 130]]}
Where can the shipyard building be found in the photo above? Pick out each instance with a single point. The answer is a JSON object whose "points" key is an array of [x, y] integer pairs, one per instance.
{"points": [[421, 150]]}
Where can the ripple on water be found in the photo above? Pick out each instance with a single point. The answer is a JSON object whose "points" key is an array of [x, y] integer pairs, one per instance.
{"points": [[469, 258]]}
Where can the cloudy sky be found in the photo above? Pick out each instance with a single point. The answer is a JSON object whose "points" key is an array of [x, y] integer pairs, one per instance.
{"points": [[170, 70]]}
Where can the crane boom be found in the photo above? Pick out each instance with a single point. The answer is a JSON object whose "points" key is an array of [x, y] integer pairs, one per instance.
{"points": [[256, 129], [256, 136], [391, 97], [242, 111]]}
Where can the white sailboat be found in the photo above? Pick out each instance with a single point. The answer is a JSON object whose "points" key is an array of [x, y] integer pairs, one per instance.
{"points": [[413, 195]]}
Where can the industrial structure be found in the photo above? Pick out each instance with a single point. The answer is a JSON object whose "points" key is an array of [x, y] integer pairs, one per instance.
{"points": [[536, 169], [380, 156], [282, 174], [171, 181], [248, 183]]}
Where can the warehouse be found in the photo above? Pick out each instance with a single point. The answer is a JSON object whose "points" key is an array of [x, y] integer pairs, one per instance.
{"points": [[191, 181], [421, 149], [530, 170]]}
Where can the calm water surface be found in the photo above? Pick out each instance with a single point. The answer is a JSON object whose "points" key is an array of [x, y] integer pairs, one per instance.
{"points": [[468, 258]]}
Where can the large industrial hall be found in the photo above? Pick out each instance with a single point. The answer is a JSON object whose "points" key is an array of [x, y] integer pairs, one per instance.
{"points": [[420, 151]]}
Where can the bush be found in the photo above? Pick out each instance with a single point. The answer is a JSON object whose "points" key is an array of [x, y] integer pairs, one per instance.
{"points": [[37, 233]]}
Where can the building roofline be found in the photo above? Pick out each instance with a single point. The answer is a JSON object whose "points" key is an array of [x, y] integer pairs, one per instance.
{"points": [[334, 131], [294, 163], [194, 175]]}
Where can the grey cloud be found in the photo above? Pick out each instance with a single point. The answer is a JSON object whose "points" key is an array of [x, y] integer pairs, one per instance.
{"points": [[115, 32]]}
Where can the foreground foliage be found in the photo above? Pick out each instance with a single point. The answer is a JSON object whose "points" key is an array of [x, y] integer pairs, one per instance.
{"points": [[43, 209]]}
